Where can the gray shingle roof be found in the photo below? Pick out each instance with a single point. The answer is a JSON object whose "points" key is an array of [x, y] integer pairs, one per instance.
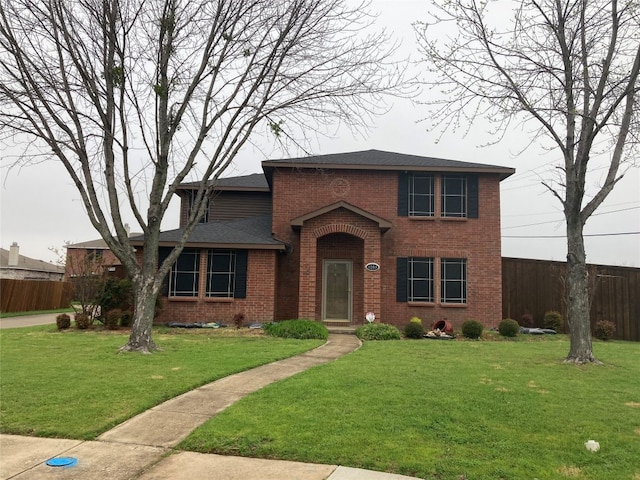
{"points": [[253, 232], [28, 263], [254, 181], [379, 159]]}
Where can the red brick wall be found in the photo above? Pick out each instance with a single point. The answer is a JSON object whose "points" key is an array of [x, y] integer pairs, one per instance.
{"points": [[298, 192], [78, 265], [257, 307]]}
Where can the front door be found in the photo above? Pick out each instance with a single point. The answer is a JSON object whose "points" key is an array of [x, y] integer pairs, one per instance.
{"points": [[336, 290]]}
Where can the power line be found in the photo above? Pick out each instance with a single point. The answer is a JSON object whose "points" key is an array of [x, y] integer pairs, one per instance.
{"points": [[564, 236], [559, 211], [562, 219]]}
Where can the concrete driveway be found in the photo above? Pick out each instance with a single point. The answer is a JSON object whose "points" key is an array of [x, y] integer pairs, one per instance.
{"points": [[29, 320]]}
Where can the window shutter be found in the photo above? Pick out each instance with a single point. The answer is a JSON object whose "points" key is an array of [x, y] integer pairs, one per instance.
{"points": [[403, 194], [472, 196], [163, 253], [401, 279], [240, 290]]}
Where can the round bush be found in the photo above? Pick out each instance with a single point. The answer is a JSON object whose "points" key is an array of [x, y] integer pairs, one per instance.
{"points": [[299, 329], [472, 329], [508, 328], [553, 320], [63, 321], [82, 321], [378, 331], [604, 329], [413, 330], [112, 319], [417, 320]]}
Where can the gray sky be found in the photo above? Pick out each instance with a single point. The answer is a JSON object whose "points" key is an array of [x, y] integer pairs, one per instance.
{"points": [[40, 208]]}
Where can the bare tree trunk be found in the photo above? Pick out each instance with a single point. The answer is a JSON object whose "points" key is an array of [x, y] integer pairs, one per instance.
{"points": [[140, 339], [578, 314]]}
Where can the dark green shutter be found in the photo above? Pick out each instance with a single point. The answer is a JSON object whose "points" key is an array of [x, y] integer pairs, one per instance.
{"points": [[240, 290], [472, 196], [403, 194], [401, 279]]}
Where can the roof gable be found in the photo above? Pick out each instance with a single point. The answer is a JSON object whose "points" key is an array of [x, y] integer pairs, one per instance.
{"points": [[382, 223]]}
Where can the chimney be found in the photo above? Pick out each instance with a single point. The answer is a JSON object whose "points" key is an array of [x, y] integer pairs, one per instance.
{"points": [[14, 254]]}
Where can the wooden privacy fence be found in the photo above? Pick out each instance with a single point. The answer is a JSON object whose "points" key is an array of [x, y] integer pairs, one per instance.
{"points": [[536, 286], [33, 295]]}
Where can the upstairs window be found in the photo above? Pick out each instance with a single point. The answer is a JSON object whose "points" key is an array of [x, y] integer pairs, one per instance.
{"points": [[457, 194], [421, 195], [191, 199], [454, 196]]}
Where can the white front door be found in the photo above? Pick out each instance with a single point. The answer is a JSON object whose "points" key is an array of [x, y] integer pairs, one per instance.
{"points": [[336, 290]]}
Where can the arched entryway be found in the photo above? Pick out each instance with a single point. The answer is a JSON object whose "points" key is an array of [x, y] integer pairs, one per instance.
{"points": [[340, 269], [342, 239]]}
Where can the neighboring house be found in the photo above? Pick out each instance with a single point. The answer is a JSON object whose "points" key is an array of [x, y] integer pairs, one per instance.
{"points": [[93, 258], [332, 237], [18, 267]]}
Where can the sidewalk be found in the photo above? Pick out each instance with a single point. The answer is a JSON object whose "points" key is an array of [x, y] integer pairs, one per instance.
{"points": [[29, 320], [142, 447]]}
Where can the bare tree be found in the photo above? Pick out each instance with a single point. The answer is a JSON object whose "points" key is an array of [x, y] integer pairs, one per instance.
{"points": [[571, 67], [135, 96]]}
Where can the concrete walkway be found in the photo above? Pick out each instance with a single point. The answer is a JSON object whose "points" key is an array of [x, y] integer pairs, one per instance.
{"points": [[142, 447], [29, 320]]}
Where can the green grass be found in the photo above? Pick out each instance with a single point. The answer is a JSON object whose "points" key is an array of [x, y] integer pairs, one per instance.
{"points": [[448, 410], [75, 384]]}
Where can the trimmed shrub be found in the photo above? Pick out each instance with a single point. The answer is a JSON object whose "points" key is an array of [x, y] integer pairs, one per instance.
{"points": [[112, 319], [553, 320], [604, 329], [413, 330], [63, 321], [378, 331], [300, 329], [416, 320], [508, 328], [472, 329], [83, 321]]}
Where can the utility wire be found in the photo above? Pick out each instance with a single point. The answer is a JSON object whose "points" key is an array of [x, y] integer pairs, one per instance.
{"points": [[564, 236], [562, 219]]}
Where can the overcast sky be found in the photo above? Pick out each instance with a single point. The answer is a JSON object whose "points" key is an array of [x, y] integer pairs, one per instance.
{"points": [[40, 208]]}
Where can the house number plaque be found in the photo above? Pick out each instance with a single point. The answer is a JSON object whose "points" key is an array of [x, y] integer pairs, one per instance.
{"points": [[372, 267]]}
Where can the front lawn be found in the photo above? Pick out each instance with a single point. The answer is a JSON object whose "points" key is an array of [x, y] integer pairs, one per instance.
{"points": [[448, 410], [74, 384]]}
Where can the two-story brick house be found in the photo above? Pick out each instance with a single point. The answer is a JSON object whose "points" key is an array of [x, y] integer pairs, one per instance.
{"points": [[332, 237]]}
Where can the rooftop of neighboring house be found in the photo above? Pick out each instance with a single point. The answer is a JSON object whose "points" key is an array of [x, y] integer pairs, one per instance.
{"points": [[16, 261], [98, 244]]}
